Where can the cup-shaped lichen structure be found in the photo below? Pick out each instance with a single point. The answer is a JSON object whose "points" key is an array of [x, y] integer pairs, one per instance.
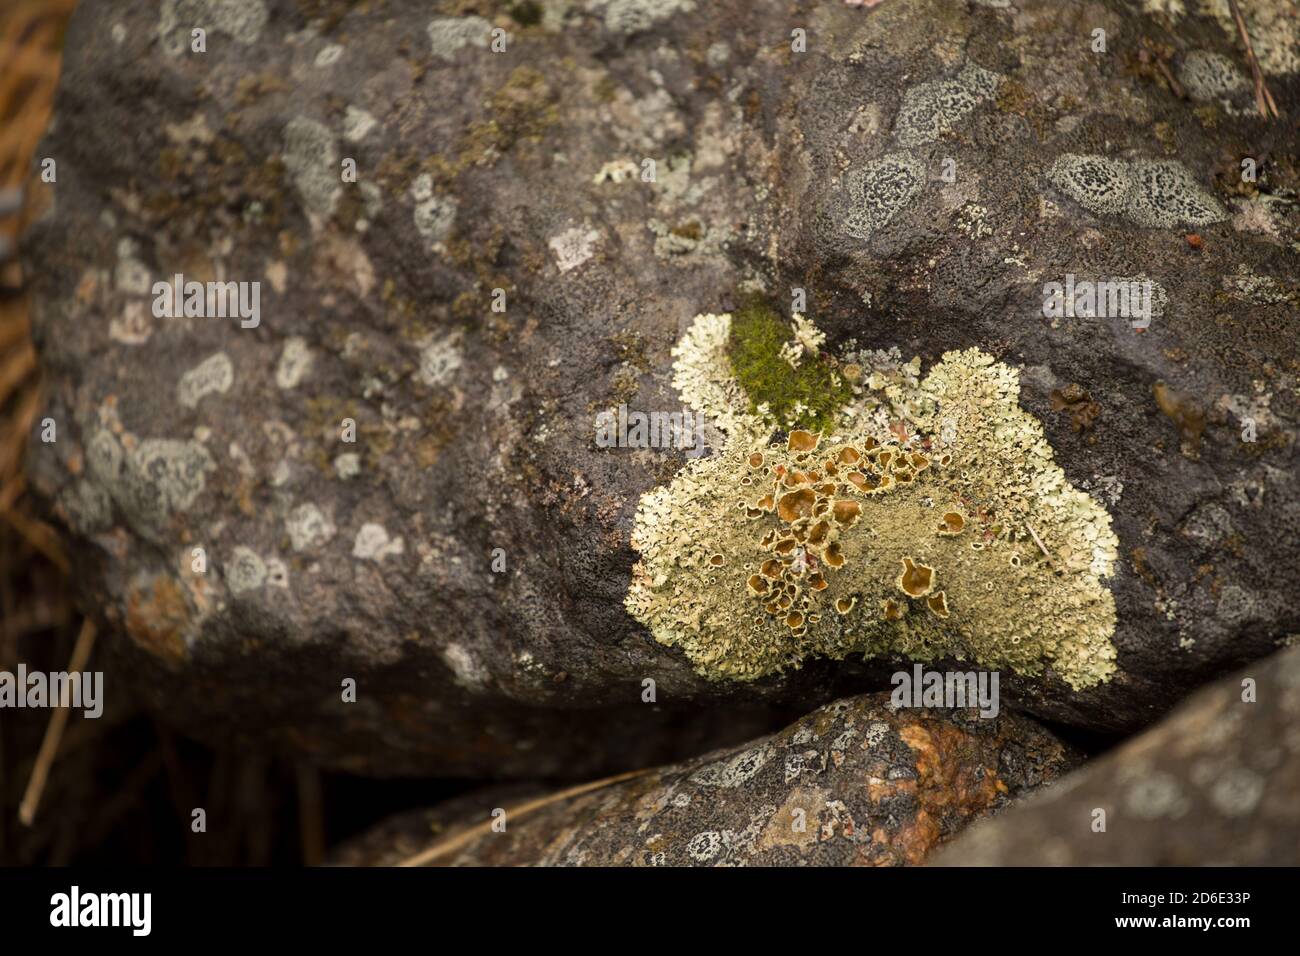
{"points": [[929, 520]]}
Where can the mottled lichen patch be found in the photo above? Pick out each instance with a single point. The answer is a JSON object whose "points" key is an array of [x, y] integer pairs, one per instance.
{"points": [[1211, 76], [433, 214], [573, 247], [937, 107], [1157, 194], [633, 16], [1273, 27], [372, 543], [308, 527], [213, 376], [245, 571], [155, 479], [357, 124], [448, 35], [930, 520], [877, 192], [347, 465], [242, 20], [294, 364], [440, 358], [311, 158]]}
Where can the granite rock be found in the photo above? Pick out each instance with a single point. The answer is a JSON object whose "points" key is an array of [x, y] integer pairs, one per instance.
{"points": [[390, 481]]}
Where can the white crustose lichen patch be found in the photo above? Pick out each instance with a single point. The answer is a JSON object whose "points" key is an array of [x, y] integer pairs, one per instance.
{"points": [[213, 376], [294, 364], [1157, 194], [373, 544]]}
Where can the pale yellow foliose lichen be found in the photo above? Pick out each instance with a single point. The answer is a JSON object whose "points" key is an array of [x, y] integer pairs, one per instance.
{"points": [[931, 521]]}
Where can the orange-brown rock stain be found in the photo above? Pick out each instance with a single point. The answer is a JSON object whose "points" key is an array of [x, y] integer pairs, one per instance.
{"points": [[157, 616]]}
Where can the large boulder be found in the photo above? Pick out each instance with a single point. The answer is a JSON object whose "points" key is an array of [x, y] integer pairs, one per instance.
{"points": [[1214, 784], [394, 473], [856, 783]]}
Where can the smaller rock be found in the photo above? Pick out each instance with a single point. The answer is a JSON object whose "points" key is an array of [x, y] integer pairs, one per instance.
{"points": [[853, 783], [1215, 784]]}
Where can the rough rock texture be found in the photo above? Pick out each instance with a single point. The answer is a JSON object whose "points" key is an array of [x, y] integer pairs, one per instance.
{"points": [[1214, 784], [855, 783], [522, 171]]}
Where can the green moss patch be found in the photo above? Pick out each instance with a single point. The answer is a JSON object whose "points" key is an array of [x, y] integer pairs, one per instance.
{"points": [[757, 336], [526, 13]]}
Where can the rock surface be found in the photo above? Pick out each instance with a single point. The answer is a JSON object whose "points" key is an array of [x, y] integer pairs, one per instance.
{"points": [[466, 559], [1214, 784], [855, 783]]}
